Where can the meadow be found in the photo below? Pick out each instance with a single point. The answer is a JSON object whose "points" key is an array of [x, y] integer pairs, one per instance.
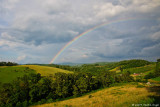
{"points": [[142, 69], [156, 79], [126, 95], [46, 71], [10, 73]]}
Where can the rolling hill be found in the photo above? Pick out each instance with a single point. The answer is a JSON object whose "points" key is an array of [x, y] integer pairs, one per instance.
{"points": [[10, 73], [45, 70]]}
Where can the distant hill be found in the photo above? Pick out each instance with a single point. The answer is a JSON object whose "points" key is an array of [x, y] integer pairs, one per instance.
{"points": [[127, 63], [71, 64], [96, 68], [133, 63], [79, 64]]}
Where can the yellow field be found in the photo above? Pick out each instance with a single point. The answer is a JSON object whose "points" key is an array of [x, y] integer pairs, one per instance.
{"points": [[116, 69], [46, 71], [119, 96]]}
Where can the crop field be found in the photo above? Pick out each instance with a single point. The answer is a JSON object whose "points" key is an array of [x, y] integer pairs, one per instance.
{"points": [[118, 96]]}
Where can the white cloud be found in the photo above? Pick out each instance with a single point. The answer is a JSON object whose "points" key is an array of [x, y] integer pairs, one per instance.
{"points": [[20, 58], [144, 6], [5, 35], [156, 36], [84, 56], [108, 10]]}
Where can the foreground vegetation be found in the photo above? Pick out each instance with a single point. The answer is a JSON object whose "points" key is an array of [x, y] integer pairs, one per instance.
{"points": [[35, 89], [126, 95]]}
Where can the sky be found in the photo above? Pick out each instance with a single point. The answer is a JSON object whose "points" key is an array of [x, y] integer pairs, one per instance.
{"points": [[34, 31]]}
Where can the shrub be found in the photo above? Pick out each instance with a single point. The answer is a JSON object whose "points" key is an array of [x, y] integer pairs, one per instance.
{"points": [[140, 86], [90, 96], [150, 75]]}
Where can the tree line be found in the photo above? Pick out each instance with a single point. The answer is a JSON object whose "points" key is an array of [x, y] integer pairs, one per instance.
{"points": [[8, 64], [35, 89]]}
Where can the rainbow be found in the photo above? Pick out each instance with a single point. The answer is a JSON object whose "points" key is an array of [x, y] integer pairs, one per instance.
{"points": [[86, 32]]}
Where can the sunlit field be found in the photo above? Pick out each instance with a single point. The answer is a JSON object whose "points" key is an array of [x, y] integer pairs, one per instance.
{"points": [[118, 96], [46, 71]]}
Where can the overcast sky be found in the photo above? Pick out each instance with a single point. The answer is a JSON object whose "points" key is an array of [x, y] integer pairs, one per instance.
{"points": [[34, 31]]}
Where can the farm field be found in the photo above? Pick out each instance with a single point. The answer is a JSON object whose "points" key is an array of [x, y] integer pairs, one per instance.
{"points": [[46, 71], [118, 96]]}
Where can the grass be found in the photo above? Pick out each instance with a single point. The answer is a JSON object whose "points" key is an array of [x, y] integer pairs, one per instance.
{"points": [[45, 70], [143, 69], [8, 74], [116, 69], [118, 96], [156, 79]]}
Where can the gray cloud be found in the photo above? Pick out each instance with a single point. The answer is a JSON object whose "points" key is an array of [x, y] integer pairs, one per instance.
{"points": [[36, 30]]}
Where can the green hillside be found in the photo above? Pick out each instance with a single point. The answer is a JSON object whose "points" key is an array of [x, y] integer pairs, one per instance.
{"points": [[45, 70], [96, 68], [142, 69], [10, 73]]}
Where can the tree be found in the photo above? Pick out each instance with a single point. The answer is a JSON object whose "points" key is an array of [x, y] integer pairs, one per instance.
{"points": [[121, 69], [157, 68], [158, 60]]}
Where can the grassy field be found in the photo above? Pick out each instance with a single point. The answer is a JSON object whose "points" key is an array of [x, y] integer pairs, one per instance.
{"points": [[46, 71], [156, 79], [118, 96], [116, 69], [8, 74], [143, 69]]}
